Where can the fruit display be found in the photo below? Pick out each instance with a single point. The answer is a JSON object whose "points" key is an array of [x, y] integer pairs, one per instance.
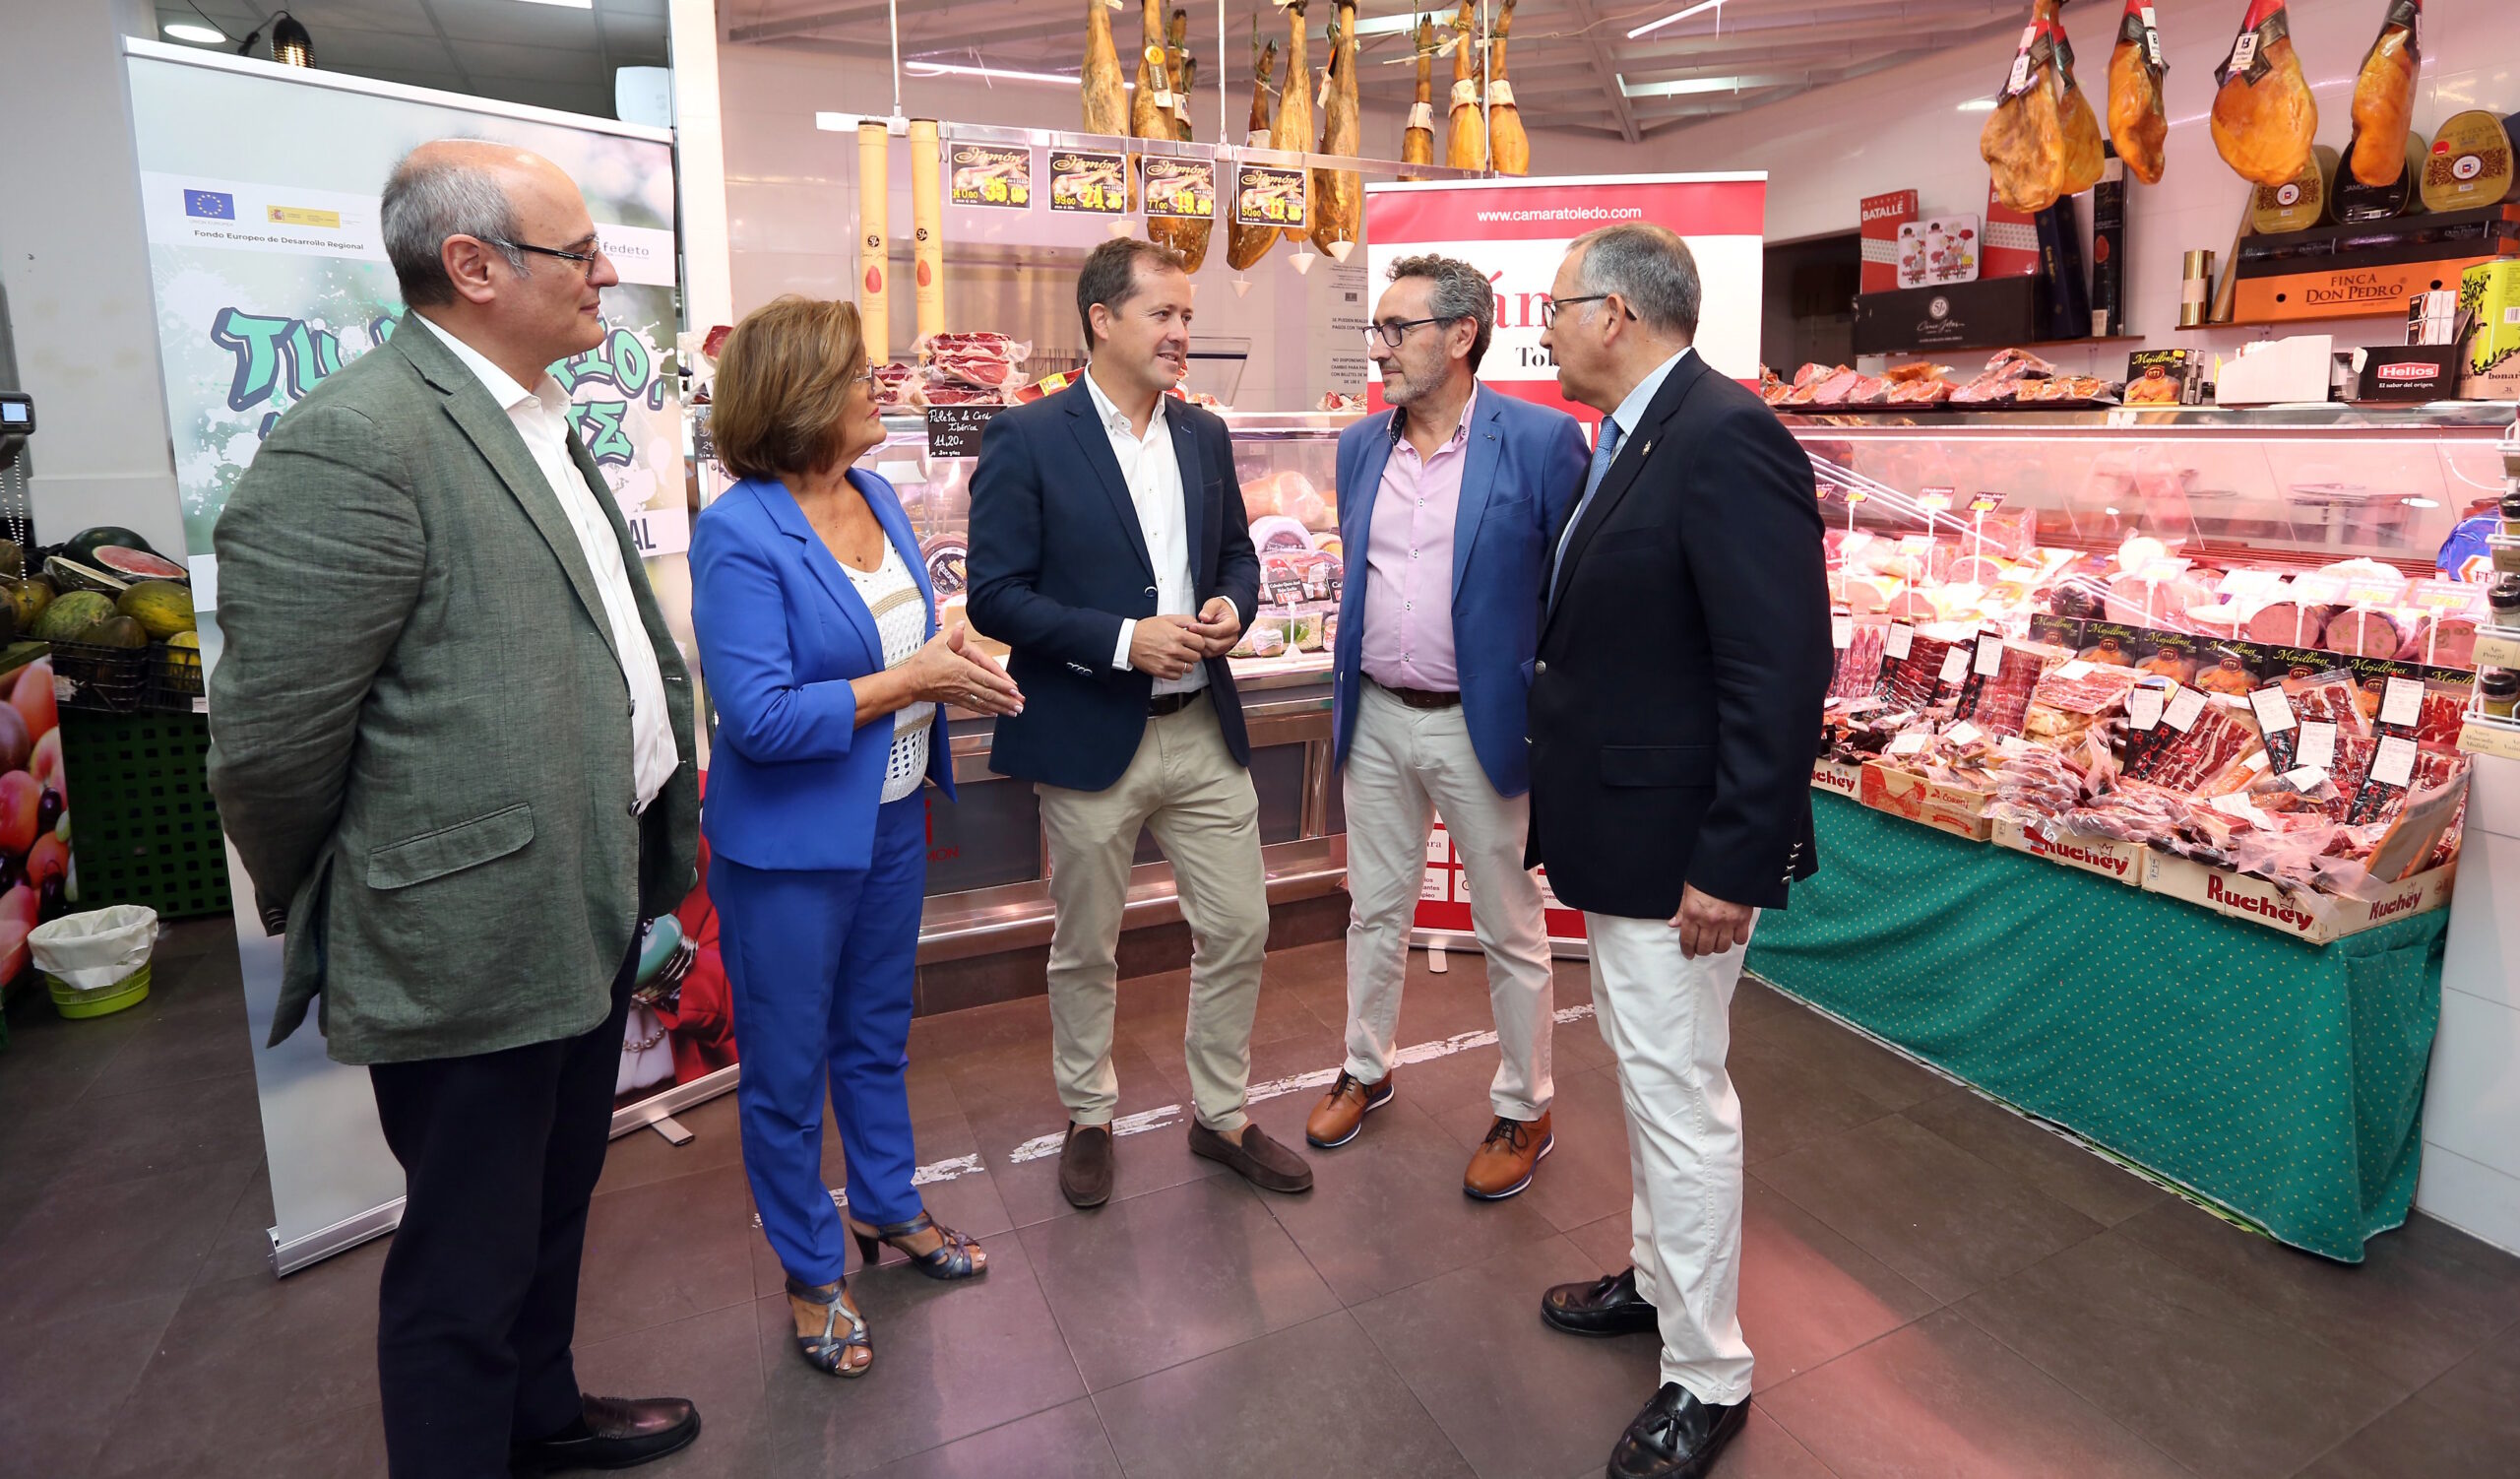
{"points": [[34, 813], [106, 589]]}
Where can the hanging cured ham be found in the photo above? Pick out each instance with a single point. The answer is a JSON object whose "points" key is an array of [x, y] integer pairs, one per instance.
{"points": [[1189, 235], [1247, 244], [1150, 113], [1339, 195], [2384, 97], [1106, 98], [1293, 131], [1417, 141], [2042, 139], [1506, 138], [1468, 147], [2264, 116], [2138, 121]]}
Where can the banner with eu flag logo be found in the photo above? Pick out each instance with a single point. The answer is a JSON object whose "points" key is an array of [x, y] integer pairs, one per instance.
{"points": [[209, 205]]}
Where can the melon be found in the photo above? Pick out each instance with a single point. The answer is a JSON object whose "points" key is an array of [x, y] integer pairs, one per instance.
{"points": [[161, 607], [116, 631], [69, 615], [136, 564]]}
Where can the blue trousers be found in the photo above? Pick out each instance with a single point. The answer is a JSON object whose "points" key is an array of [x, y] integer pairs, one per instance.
{"points": [[821, 966]]}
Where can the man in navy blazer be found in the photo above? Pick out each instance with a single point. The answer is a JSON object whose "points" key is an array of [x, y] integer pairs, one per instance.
{"points": [[1446, 505], [1109, 550]]}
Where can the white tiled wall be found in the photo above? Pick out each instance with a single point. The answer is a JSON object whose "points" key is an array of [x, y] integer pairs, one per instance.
{"points": [[2472, 1106]]}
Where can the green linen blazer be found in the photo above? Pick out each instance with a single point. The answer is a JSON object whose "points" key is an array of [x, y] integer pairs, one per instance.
{"points": [[420, 738]]}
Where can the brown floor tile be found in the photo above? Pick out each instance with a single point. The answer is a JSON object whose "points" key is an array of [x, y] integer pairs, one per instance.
{"points": [[105, 1137], [2201, 1371], [1941, 1400], [716, 1361], [349, 1442], [1515, 1396], [251, 1365], [664, 1251], [1808, 1295], [1584, 1178], [951, 1360], [642, 1156], [1167, 1277], [1386, 1210], [1314, 1399], [1841, 1054], [2464, 1425], [62, 1382], [1944, 1220], [86, 1247], [244, 1245], [2105, 1193], [206, 1040], [2425, 1296], [1789, 1102], [1064, 1443]]}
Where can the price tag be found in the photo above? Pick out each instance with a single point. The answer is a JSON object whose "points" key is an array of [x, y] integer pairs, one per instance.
{"points": [[2402, 701], [1842, 631], [2076, 671], [1986, 503], [955, 430], [1955, 664], [2020, 79], [1936, 499], [2248, 585], [1265, 195], [2305, 778], [1990, 658], [2375, 593], [2274, 710], [1965, 733], [1186, 189], [2317, 747], [1096, 184], [1909, 743], [2014, 745], [2144, 709], [2236, 804], [2256, 761], [1898, 642], [2183, 707], [2244, 53], [2394, 765], [987, 176]]}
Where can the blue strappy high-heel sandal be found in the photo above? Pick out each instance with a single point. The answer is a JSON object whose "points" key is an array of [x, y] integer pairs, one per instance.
{"points": [[957, 1258], [829, 1351]]}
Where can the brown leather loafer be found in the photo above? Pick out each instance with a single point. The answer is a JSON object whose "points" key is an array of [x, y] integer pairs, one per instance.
{"points": [[1255, 1158], [1342, 1112], [1504, 1162], [613, 1433], [1084, 1165]]}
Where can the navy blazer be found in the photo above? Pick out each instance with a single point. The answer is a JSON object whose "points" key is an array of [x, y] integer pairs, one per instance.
{"points": [[795, 780], [1058, 561], [1526, 469]]}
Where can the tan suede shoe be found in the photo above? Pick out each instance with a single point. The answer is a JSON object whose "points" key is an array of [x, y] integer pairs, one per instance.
{"points": [[1342, 1112], [1504, 1162]]}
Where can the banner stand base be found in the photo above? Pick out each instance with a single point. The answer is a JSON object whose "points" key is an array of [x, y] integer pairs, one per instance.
{"points": [[1435, 942]]}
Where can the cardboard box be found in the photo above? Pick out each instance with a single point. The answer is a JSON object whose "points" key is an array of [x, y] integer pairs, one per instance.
{"points": [[2312, 917], [2414, 373], [1838, 778], [1986, 315], [1960, 810], [2119, 862], [1879, 218], [2279, 371]]}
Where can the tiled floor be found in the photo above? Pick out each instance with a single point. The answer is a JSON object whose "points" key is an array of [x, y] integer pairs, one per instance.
{"points": [[1933, 1287]]}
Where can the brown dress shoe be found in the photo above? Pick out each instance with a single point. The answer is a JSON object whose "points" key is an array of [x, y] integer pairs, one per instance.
{"points": [[1342, 1112], [1504, 1162], [1254, 1157], [1084, 1165]]}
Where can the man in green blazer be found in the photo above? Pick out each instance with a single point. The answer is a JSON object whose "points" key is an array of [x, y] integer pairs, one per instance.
{"points": [[452, 738]]}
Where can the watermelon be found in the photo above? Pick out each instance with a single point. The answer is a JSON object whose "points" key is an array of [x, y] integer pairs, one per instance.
{"points": [[136, 564], [84, 544]]}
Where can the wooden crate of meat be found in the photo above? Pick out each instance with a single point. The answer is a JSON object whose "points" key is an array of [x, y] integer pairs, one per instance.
{"points": [[2312, 917], [1839, 778], [1960, 810], [2119, 862]]}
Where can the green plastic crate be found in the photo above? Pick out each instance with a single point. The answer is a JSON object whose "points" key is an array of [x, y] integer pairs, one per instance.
{"points": [[142, 828]]}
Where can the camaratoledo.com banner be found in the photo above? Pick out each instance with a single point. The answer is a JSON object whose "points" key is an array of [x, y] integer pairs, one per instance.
{"points": [[1519, 231]]}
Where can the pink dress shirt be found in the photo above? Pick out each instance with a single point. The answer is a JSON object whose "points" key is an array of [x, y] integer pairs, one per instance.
{"points": [[1409, 564]]}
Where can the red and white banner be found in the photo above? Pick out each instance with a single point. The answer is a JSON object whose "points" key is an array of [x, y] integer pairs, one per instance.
{"points": [[1518, 229]]}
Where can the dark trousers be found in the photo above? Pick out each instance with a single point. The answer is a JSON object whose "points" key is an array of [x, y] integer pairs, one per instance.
{"points": [[500, 1152]]}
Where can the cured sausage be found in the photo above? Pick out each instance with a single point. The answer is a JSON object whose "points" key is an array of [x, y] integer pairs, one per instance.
{"points": [[2264, 116], [2138, 121], [2384, 97]]}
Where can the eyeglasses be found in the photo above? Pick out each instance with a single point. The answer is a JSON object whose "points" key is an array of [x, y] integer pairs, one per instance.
{"points": [[586, 260], [1392, 331], [1549, 306]]}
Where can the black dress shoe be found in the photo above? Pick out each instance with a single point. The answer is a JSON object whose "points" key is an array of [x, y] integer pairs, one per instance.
{"points": [[1676, 1437], [613, 1433], [1604, 1307], [1084, 1165]]}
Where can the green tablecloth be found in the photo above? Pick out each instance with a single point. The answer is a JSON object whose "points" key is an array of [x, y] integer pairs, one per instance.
{"points": [[2282, 1080]]}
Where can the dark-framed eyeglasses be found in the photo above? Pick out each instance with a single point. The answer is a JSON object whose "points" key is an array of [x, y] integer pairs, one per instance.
{"points": [[586, 260], [1549, 306], [1392, 331]]}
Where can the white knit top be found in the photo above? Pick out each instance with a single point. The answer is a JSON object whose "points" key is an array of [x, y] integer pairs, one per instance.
{"points": [[900, 621]]}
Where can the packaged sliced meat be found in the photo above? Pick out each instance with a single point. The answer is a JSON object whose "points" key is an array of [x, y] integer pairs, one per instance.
{"points": [[1859, 670], [1999, 704], [984, 362], [2264, 117]]}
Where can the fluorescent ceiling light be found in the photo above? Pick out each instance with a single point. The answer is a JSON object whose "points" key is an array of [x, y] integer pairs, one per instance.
{"points": [[1383, 26], [187, 30], [1685, 85], [1978, 105], [563, 4], [992, 74], [1650, 27]]}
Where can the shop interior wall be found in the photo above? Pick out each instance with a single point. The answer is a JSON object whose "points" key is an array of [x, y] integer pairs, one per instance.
{"points": [[793, 209], [1902, 128], [74, 255]]}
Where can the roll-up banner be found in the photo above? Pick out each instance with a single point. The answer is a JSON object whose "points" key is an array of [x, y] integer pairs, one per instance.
{"points": [[1518, 231], [260, 188]]}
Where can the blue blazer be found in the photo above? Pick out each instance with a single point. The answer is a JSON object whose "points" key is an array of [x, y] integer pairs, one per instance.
{"points": [[1058, 560], [794, 781], [1526, 470]]}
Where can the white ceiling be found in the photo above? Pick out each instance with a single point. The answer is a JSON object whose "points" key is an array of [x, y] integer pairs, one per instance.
{"points": [[547, 55]]}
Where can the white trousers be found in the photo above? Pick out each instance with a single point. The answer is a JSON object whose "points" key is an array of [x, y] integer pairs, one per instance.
{"points": [[1405, 766], [1669, 1019]]}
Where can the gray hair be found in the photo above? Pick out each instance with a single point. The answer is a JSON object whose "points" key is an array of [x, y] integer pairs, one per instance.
{"points": [[1460, 292], [1650, 267], [426, 201]]}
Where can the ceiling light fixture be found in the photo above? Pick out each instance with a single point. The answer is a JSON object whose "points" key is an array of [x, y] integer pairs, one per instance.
{"points": [[563, 4], [1688, 85], [186, 31], [1651, 27], [992, 74]]}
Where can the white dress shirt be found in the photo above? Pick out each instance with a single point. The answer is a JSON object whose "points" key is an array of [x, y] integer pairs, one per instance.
{"points": [[541, 418], [1153, 472]]}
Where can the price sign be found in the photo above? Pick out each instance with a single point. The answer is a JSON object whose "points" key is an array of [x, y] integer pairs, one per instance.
{"points": [[1096, 184], [2394, 764], [2402, 701], [1856, 495], [1898, 641], [2317, 749], [955, 430], [2305, 779], [2374, 592], [2185, 704], [1183, 188], [1991, 656], [1909, 743], [2256, 761], [1964, 733], [2274, 710], [1842, 631], [994, 176], [1955, 664], [1265, 195], [2144, 709], [1936, 499], [1986, 503]]}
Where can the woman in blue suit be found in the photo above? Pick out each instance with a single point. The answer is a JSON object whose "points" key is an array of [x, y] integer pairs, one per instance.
{"points": [[818, 634]]}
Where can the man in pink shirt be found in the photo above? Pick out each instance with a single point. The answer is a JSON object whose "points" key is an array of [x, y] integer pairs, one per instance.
{"points": [[1447, 506]]}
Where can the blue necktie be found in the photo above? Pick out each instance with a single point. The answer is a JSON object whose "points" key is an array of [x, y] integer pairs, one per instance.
{"points": [[1605, 452]]}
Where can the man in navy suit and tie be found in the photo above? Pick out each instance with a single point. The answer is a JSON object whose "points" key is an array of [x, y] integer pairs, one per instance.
{"points": [[1110, 551], [1446, 505]]}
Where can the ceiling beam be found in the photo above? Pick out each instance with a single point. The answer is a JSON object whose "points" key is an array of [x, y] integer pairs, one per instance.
{"points": [[1604, 71], [866, 9]]}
